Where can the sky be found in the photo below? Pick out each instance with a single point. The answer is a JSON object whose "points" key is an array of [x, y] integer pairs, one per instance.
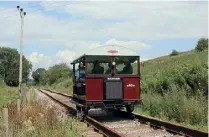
{"points": [[59, 31]]}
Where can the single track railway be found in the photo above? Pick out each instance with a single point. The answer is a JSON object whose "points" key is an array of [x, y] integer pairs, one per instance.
{"points": [[120, 124]]}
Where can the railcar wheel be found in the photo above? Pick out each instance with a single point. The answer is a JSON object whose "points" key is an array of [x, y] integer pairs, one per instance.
{"points": [[130, 108]]}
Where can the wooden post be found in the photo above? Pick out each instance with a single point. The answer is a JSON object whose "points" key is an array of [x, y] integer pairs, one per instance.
{"points": [[6, 123], [18, 105]]}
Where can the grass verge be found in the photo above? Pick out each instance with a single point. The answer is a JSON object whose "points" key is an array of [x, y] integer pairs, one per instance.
{"points": [[176, 107], [7, 95], [36, 120]]}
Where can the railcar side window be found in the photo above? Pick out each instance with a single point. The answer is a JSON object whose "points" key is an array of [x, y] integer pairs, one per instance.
{"points": [[99, 65], [126, 65]]}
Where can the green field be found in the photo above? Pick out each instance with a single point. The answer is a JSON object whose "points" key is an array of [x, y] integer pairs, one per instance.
{"points": [[7, 94], [173, 88]]}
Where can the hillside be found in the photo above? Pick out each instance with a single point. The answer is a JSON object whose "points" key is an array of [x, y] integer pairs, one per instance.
{"points": [[173, 88], [187, 70]]}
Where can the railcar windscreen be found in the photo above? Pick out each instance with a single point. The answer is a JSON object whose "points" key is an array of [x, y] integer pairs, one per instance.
{"points": [[99, 65], [126, 65]]}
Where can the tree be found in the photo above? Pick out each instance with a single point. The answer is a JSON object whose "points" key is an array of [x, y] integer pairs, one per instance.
{"points": [[57, 72], [202, 44], [38, 74], [174, 53], [9, 66], [54, 74]]}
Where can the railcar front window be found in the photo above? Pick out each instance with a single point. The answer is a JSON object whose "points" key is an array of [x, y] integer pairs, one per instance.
{"points": [[126, 65], [99, 65]]}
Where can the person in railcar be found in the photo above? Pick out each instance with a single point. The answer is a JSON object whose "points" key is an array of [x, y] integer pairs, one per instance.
{"points": [[128, 69], [109, 68], [97, 68]]}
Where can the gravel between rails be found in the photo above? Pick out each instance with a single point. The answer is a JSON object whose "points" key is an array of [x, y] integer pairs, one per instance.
{"points": [[133, 128]]}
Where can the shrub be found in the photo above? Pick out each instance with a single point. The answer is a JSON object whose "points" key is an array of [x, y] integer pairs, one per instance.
{"points": [[174, 53], [202, 44]]}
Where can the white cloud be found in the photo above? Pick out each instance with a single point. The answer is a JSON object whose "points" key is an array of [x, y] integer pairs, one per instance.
{"points": [[129, 21], [66, 55], [135, 45], [141, 20], [40, 60]]}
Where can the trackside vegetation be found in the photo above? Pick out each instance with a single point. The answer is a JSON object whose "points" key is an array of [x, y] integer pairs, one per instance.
{"points": [[175, 88], [36, 118], [7, 94]]}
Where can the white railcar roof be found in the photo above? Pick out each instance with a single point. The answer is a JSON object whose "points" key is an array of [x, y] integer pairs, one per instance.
{"points": [[109, 50]]}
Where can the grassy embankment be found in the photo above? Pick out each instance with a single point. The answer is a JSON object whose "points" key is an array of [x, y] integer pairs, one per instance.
{"points": [[172, 88]]}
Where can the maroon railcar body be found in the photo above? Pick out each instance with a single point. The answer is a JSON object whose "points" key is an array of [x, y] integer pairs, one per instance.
{"points": [[112, 90]]}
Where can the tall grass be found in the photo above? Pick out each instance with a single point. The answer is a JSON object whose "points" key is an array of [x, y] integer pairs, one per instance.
{"points": [[176, 106], [38, 120], [7, 94]]}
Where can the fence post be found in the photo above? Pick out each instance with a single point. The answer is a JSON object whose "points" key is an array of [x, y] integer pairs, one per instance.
{"points": [[6, 122]]}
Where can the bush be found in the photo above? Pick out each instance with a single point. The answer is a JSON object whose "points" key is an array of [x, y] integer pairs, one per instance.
{"points": [[202, 44], [174, 53]]}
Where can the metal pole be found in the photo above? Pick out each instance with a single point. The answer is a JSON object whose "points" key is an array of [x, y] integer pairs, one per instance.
{"points": [[22, 14], [20, 71]]}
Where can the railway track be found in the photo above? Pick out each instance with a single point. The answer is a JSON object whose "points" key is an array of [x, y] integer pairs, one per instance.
{"points": [[122, 125]]}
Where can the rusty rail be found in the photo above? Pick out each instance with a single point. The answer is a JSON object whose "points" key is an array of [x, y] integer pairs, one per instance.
{"points": [[173, 128], [63, 94]]}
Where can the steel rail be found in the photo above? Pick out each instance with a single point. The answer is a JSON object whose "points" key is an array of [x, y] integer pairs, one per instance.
{"points": [[174, 128], [96, 125], [171, 127], [63, 94]]}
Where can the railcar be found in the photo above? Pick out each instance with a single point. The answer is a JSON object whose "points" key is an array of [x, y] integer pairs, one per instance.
{"points": [[107, 77]]}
